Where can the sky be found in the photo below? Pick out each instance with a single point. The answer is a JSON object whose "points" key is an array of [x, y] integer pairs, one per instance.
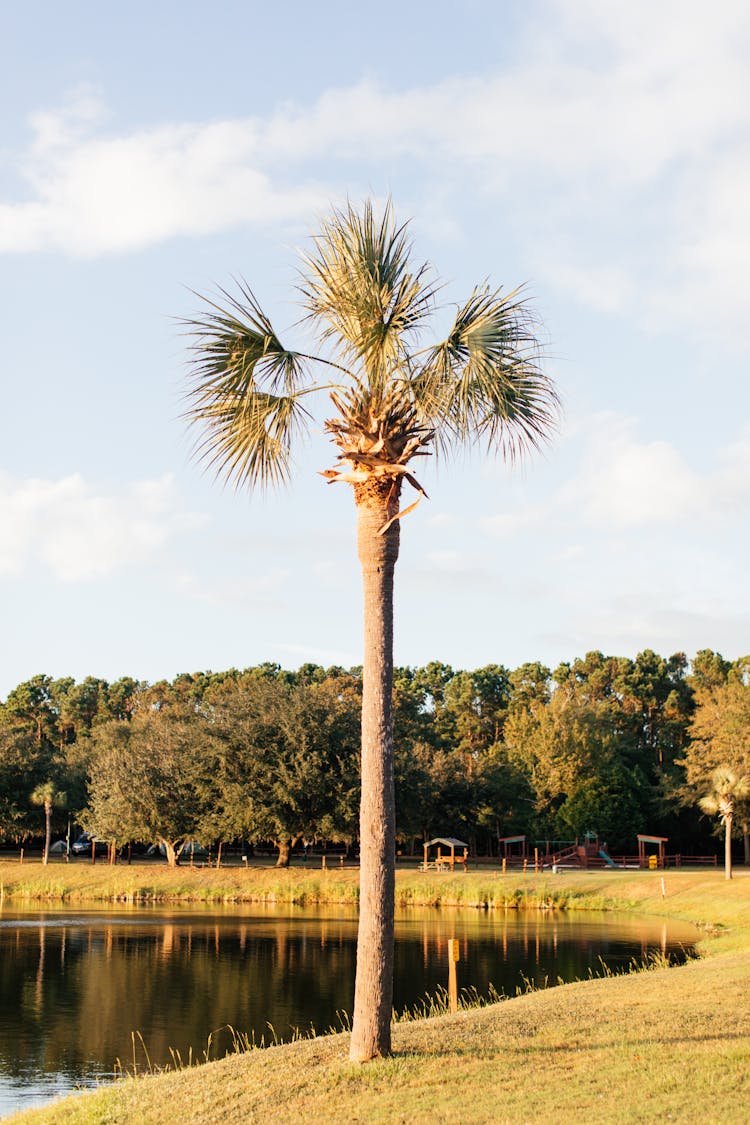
{"points": [[596, 152]]}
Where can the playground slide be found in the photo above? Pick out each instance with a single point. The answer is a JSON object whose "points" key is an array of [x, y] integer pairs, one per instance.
{"points": [[607, 858]]}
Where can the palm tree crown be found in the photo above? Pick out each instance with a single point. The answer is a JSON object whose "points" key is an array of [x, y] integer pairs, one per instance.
{"points": [[727, 789], [394, 400]]}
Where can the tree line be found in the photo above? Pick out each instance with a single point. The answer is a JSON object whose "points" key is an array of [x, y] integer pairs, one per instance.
{"points": [[606, 744]]}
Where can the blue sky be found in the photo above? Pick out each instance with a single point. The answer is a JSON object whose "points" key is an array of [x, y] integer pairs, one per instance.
{"points": [[598, 152]]}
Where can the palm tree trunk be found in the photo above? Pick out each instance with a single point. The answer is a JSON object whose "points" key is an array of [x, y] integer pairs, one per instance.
{"points": [[47, 830], [728, 848], [746, 841], [373, 997]]}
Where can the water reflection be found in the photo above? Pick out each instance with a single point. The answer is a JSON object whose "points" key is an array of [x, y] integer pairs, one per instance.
{"points": [[74, 986]]}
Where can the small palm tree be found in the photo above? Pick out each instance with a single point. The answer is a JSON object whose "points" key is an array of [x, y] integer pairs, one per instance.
{"points": [[48, 795], [393, 401], [727, 790]]}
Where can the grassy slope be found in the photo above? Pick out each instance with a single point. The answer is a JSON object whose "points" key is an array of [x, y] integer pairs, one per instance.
{"points": [[667, 1044]]}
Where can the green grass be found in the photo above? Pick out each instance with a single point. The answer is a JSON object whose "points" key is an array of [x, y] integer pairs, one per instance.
{"points": [[663, 1045]]}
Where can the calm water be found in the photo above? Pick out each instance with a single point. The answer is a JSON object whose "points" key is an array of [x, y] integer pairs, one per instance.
{"points": [[75, 985]]}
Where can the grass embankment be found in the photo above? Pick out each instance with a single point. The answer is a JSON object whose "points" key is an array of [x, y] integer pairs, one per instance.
{"points": [[80, 883], [668, 1044]]}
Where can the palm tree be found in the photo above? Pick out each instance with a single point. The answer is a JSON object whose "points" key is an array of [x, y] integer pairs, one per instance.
{"points": [[48, 795], [393, 401], [727, 789]]}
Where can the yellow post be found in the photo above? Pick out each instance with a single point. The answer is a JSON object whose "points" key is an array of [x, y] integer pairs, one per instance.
{"points": [[536, 860], [323, 862], [505, 864], [454, 955]]}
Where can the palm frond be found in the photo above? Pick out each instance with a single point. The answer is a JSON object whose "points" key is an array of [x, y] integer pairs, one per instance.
{"points": [[358, 285], [235, 343], [248, 439], [244, 393], [484, 383]]}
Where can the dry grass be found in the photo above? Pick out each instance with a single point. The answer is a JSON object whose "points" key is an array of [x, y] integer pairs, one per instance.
{"points": [[668, 1044]]}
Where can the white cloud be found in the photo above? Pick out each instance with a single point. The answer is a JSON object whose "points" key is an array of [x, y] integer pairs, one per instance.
{"points": [[97, 194], [80, 534], [619, 136], [625, 482], [621, 482]]}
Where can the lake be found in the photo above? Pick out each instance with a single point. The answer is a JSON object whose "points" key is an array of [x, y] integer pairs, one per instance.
{"points": [[75, 985]]}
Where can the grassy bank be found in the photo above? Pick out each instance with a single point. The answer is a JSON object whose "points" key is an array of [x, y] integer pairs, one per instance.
{"points": [[668, 1044], [485, 888]]}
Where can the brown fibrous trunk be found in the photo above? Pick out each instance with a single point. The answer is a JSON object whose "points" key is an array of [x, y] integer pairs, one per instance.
{"points": [[377, 502], [47, 830]]}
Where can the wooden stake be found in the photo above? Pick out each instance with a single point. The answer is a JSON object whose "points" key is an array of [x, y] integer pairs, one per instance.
{"points": [[454, 954]]}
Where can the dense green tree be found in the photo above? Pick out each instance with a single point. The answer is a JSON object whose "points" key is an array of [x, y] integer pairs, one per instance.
{"points": [[655, 692], [609, 802], [575, 750], [153, 779], [474, 707], [23, 766], [530, 683], [709, 669], [720, 736], [32, 703], [288, 761]]}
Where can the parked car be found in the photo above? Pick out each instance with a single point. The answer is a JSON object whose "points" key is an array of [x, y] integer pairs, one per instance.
{"points": [[82, 846]]}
